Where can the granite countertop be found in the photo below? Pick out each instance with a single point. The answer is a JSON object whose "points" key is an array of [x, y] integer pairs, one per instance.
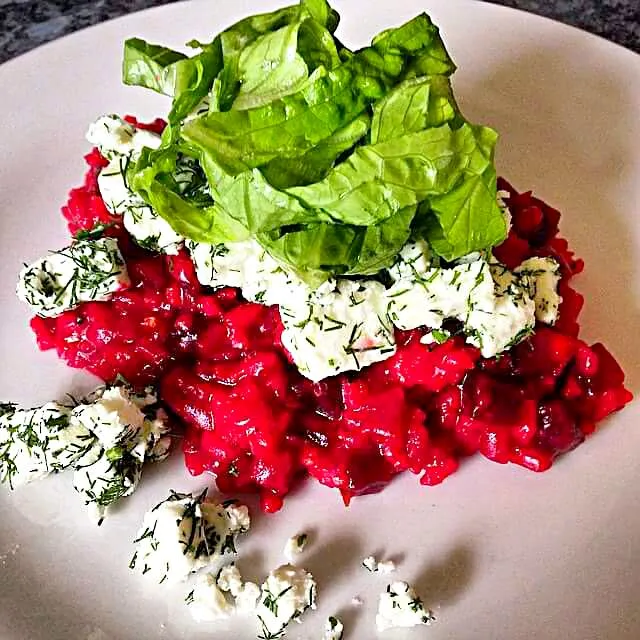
{"points": [[25, 24]]}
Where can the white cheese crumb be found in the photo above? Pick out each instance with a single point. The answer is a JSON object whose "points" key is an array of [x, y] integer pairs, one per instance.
{"points": [[386, 567], [345, 325], [400, 606], [105, 439], [333, 629], [285, 595], [229, 579], [128, 430], [37, 442], [414, 259], [295, 546], [120, 143], [104, 481], [116, 137], [147, 228], [87, 270], [495, 314], [541, 276], [249, 267], [370, 563], [342, 326], [112, 416], [247, 598], [245, 594], [207, 602], [217, 598], [183, 534]]}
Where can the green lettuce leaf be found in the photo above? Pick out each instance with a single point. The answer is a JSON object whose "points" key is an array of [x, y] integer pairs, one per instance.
{"points": [[293, 124], [376, 181], [154, 177], [321, 154], [288, 127], [314, 165], [150, 65], [188, 80], [321, 251], [322, 13], [253, 202], [467, 218], [270, 68], [414, 105]]}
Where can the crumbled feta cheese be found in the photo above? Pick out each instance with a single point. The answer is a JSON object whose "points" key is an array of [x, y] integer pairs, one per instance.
{"points": [[220, 265], [498, 316], [238, 516], [245, 594], [183, 534], [88, 270], [345, 325], [107, 477], [146, 227], [333, 629], [36, 442], [217, 598], [207, 602], [414, 259], [541, 276], [247, 598], [248, 266], [495, 315], [370, 563], [105, 439], [149, 230], [400, 606], [387, 566], [116, 137], [121, 143], [229, 579], [112, 416], [294, 546], [129, 430], [342, 326], [286, 594]]}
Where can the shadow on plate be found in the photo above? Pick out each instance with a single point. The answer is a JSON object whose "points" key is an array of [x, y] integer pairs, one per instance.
{"points": [[443, 582]]}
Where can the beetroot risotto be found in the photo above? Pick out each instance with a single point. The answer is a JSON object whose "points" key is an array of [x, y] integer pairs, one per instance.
{"points": [[254, 421]]}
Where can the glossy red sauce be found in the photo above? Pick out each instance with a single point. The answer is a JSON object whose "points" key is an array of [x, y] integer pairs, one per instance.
{"points": [[257, 424]]}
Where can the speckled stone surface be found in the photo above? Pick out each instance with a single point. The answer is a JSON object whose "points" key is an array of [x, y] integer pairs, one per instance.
{"points": [[25, 24]]}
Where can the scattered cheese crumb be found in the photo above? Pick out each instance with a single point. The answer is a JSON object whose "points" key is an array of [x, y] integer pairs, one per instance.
{"points": [[86, 271], [400, 606], [246, 594], [207, 602], [370, 563], [295, 546], [286, 594], [183, 534], [333, 629]]}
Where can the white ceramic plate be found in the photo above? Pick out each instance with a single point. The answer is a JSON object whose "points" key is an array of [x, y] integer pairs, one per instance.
{"points": [[498, 552]]}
